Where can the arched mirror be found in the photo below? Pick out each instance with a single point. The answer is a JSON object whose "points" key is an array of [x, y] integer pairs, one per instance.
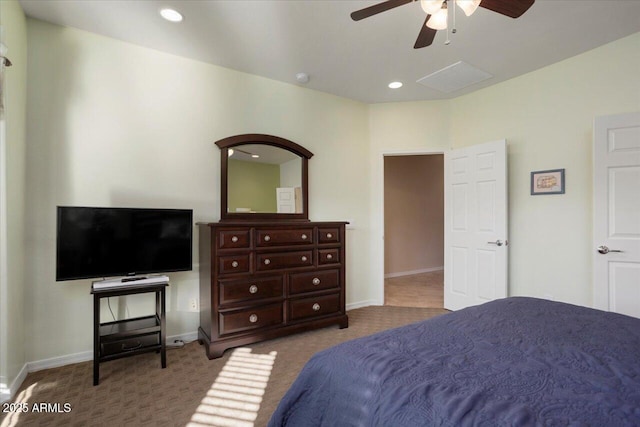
{"points": [[263, 177]]}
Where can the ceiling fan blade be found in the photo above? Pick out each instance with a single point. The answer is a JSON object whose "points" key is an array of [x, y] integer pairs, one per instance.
{"points": [[426, 35], [511, 8], [377, 8]]}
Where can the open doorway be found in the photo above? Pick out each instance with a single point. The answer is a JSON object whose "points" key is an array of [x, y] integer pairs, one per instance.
{"points": [[414, 230]]}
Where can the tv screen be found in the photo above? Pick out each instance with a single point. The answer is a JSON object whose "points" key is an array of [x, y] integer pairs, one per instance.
{"points": [[101, 242]]}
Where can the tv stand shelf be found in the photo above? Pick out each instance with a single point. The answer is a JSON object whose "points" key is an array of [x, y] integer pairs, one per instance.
{"points": [[128, 337]]}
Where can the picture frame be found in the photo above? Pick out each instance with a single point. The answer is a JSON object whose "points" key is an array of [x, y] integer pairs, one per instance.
{"points": [[545, 182]]}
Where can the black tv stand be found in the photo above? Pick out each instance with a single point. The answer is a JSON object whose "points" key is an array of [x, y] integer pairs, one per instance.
{"points": [[128, 337]]}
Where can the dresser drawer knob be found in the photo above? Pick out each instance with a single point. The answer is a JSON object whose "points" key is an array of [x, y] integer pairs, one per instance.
{"points": [[267, 238], [329, 235], [304, 237], [329, 256], [316, 307], [234, 264], [316, 281], [234, 239], [267, 261], [253, 289], [304, 258], [253, 318]]}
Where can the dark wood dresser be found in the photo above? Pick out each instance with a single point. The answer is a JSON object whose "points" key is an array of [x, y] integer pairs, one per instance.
{"points": [[261, 280]]}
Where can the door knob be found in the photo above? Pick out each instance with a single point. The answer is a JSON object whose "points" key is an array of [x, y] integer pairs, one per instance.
{"points": [[605, 250], [498, 242]]}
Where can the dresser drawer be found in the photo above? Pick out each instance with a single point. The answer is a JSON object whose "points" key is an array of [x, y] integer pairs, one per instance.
{"points": [[280, 260], [268, 237], [230, 264], [232, 291], [259, 317], [328, 235], [233, 239], [313, 281], [312, 307], [328, 256]]}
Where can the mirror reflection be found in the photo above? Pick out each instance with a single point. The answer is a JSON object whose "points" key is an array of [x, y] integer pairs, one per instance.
{"points": [[263, 179]]}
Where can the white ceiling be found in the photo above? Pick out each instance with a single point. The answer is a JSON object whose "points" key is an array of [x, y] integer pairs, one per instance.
{"points": [[267, 153], [277, 39]]}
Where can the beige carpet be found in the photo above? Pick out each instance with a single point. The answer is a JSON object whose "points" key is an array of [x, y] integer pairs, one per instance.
{"points": [[416, 290], [192, 390]]}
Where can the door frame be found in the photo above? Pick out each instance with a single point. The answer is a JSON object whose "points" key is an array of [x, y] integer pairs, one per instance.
{"points": [[378, 278], [6, 389]]}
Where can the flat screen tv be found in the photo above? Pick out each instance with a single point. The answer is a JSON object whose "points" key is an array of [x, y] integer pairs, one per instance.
{"points": [[103, 242]]}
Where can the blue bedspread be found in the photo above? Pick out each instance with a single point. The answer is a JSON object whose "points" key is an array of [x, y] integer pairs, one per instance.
{"points": [[512, 362]]}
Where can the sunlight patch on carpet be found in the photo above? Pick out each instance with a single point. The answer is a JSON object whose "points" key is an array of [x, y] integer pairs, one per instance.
{"points": [[235, 396], [22, 401]]}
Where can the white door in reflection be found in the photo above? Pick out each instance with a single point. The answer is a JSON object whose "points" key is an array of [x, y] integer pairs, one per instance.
{"points": [[289, 199], [286, 199]]}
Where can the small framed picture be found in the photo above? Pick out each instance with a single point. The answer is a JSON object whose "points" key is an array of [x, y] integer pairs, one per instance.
{"points": [[547, 182]]}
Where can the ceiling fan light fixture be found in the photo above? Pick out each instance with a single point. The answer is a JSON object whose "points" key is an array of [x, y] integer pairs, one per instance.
{"points": [[439, 20], [510, 8], [468, 6], [431, 7]]}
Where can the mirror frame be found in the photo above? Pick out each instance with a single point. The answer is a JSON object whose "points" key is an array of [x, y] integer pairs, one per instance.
{"points": [[275, 141]]}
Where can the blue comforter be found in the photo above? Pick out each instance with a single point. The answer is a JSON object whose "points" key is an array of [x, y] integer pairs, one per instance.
{"points": [[512, 362]]}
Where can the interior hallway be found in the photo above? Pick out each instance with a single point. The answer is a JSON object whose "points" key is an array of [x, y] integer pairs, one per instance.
{"points": [[418, 290]]}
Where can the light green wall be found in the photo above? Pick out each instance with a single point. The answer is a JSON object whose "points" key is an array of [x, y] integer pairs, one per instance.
{"points": [[396, 129], [161, 154], [104, 135], [12, 167], [547, 118], [252, 185]]}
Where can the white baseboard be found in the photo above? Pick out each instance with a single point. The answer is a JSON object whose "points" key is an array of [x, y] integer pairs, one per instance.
{"points": [[7, 393], [85, 356], [56, 362], [412, 272], [359, 304], [188, 337]]}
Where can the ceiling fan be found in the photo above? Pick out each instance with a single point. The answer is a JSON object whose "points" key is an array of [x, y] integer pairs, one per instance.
{"points": [[233, 150], [437, 13]]}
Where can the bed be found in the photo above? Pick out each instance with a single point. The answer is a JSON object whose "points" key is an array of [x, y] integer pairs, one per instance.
{"points": [[511, 362]]}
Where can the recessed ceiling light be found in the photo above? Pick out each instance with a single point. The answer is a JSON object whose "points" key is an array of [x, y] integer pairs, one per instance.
{"points": [[171, 15], [395, 85], [255, 156]]}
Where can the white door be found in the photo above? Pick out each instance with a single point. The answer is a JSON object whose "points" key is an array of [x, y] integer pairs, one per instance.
{"points": [[286, 200], [616, 187], [475, 236]]}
